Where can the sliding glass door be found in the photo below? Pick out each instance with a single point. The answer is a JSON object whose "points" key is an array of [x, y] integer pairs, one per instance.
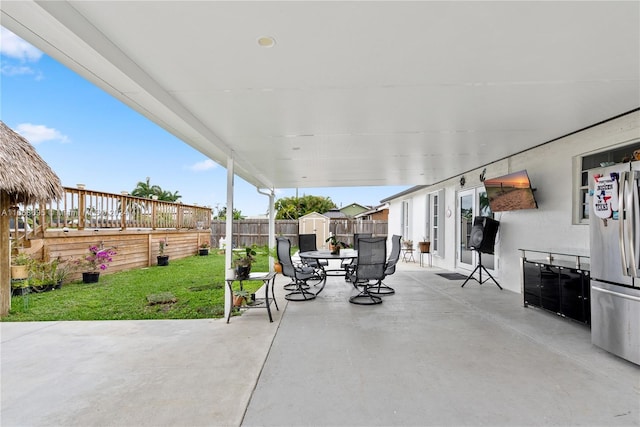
{"points": [[471, 203]]}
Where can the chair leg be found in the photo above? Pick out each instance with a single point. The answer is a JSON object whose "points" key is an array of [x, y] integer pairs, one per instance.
{"points": [[301, 293], [365, 298], [292, 286], [318, 277], [381, 289]]}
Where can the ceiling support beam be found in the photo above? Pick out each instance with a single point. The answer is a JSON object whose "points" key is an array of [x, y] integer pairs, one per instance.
{"points": [[228, 254], [272, 223]]}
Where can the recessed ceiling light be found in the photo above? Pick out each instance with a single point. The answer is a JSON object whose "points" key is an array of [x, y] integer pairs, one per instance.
{"points": [[266, 41]]}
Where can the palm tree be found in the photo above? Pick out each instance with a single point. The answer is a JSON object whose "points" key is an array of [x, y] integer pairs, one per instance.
{"points": [[168, 196], [145, 189]]}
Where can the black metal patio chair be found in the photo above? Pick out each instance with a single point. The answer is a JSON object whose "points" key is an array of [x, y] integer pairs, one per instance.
{"points": [[298, 274], [308, 243], [371, 264], [379, 288], [349, 265]]}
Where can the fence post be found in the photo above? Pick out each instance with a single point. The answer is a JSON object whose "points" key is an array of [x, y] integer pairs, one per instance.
{"points": [[123, 211], [81, 209], [180, 215]]}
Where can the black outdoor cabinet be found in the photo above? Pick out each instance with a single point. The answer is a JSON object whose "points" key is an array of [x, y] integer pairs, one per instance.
{"points": [[531, 274], [550, 288], [559, 289]]}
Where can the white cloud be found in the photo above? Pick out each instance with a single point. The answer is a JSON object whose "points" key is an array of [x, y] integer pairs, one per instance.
{"points": [[204, 165], [14, 47], [16, 70], [36, 134]]}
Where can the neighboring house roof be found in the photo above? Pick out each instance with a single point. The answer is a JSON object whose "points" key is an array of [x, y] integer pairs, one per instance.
{"points": [[354, 209], [335, 213], [259, 216], [376, 209]]}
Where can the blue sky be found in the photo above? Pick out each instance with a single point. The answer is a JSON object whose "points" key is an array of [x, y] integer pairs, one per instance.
{"points": [[86, 136]]}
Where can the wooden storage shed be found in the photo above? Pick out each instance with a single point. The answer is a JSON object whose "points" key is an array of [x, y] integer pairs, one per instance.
{"points": [[315, 223]]}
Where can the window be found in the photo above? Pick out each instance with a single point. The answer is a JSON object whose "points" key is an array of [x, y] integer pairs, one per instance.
{"points": [[435, 222], [592, 161], [406, 228], [427, 220]]}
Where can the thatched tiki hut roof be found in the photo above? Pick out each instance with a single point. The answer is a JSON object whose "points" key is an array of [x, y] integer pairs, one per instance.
{"points": [[24, 178]]}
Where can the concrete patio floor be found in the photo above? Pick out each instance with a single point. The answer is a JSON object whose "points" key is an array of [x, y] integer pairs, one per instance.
{"points": [[432, 354]]}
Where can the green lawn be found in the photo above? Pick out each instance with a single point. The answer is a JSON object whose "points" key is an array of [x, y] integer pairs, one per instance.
{"points": [[196, 283]]}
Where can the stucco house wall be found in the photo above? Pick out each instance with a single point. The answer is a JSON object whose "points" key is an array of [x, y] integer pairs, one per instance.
{"points": [[553, 169]]}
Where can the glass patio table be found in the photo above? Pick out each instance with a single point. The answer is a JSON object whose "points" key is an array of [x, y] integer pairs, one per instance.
{"points": [[344, 254]]}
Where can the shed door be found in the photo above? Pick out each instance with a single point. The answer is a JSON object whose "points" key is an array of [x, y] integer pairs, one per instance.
{"points": [[316, 225]]}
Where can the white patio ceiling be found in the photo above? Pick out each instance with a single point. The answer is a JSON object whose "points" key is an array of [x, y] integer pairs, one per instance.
{"points": [[352, 93]]}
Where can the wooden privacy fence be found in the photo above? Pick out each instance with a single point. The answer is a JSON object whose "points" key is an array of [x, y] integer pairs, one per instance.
{"points": [[247, 232]]}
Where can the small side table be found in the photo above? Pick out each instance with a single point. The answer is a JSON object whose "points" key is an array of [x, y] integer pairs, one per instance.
{"points": [[265, 302], [407, 255], [422, 255]]}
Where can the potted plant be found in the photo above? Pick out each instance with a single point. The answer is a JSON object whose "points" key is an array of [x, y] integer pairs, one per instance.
{"points": [[20, 266], [243, 262], [277, 267], [424, 245], [204, 249], [273, 253], [20, 287], [97, 260], [41, 275], [240, 298], [162, 258], [61, 270], [335, 245]]}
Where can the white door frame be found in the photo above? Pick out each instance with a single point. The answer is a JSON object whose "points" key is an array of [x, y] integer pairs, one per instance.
{"points": [[467, 259], [465, 202]]}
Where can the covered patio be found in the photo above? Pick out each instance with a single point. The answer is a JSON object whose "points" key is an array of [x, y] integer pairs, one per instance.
{"points": [[432, 354]]}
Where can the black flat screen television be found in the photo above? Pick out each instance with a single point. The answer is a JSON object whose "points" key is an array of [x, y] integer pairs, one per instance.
{"points": [[510, 192]]}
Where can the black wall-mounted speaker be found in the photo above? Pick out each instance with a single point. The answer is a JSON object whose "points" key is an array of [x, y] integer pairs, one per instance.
{"points": [[483, 234]]}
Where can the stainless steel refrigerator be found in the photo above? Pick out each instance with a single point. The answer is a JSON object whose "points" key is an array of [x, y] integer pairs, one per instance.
{"points": [[614, 222]]}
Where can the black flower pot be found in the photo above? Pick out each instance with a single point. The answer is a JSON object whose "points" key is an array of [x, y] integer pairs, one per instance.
{"points": [[243, 272], [203, 252], [90, 277], [163, 259], [20, 291]]}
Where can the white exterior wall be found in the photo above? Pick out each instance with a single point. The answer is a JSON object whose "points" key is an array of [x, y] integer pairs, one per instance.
{"points": [[550, 227]]}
